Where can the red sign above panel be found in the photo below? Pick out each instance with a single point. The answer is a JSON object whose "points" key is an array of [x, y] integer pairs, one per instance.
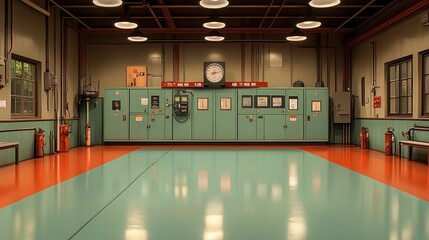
{"points": [[245, 84], [201, 84]]}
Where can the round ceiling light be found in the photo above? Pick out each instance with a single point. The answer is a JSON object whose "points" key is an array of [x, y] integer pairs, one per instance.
{"points": [[214, 4], [125, 23], [214, 36], [137, 36], [214, 23], [324, 3], [107, 3], [308, 24], [296, 35]]}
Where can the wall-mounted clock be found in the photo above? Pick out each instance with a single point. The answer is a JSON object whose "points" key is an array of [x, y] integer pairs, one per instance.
{"points": [[214, 74]]}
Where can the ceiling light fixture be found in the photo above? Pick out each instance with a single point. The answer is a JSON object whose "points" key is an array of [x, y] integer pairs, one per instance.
{"points": [[296, 35], [324, 3], [125, 21], [309, 21], [214, 36], [214, 23], [137, 36], [107, 3], [214, 4]]}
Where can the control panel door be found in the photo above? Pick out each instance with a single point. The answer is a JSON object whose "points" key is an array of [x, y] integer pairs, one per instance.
{"points": [[275, 127], [138, 126], [246, 127], [316, 114], [116, 114]]}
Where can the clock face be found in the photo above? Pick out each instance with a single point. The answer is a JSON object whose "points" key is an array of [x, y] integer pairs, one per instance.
{"points": [[214, 72]]}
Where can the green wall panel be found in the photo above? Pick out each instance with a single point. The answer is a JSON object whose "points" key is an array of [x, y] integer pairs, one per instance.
{"points": [[26, 138], [377, 128]]}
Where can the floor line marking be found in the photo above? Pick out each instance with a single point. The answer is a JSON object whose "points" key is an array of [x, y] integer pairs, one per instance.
{"points": [[117, 196]]}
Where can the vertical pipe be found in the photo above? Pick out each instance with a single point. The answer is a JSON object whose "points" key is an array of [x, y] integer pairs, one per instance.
{"points": [[319, 69], [243, 62], [252, 62], [176, 62]]}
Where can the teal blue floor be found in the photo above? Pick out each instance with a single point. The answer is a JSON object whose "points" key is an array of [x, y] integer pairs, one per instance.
{"points": [[216, 194]]}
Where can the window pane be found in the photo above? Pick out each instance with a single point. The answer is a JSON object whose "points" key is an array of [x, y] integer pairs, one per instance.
{"points": [[18, 105], [28, 106], [392, 73], [18, 69], [404, 69], [409, 87], [26, 70], [404, 86], [12, 105], [28, 88], [394, 105], [404, 105]]}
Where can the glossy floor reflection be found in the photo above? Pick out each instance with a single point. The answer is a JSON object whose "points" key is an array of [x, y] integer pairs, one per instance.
{"points": [[218, 194]]}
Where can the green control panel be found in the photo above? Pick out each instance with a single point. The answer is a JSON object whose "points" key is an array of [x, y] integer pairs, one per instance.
{"points": [[216, 115]]}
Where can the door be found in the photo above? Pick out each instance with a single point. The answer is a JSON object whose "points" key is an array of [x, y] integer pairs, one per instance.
{"points": [[116, 113], [316, 114], [156, 128]]}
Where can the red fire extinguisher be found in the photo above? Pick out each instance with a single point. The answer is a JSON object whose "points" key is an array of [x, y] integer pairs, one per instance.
{"points": [[87, 135], [364, 138], [388, 141], [40, 143], [64, 137]]}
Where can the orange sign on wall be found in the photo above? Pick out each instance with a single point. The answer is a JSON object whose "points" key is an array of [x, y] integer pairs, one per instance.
{"points": [[376, 102], [136, 76]]}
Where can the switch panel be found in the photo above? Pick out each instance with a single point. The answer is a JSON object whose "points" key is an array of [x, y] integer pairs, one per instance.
{"points": [[342, 107]]}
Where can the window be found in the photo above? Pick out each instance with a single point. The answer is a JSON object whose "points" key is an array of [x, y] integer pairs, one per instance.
{"points": [[425, 80], [23, 94], [400, 87]]}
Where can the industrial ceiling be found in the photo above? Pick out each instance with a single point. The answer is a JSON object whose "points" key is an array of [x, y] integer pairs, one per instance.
{"points": [[245, 20]]}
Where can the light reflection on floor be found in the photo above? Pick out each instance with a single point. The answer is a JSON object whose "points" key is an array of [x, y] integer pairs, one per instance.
{"points": [[218, 194]]}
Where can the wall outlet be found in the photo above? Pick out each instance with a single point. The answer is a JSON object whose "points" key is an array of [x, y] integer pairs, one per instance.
{"points": [[2, 60]]}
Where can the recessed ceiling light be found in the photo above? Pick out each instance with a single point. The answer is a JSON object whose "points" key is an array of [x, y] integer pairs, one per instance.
{"points": [[107, 3], [324, 3], [214, 4], [137, 36], [296, 35], [214, 36], [214, 23]]}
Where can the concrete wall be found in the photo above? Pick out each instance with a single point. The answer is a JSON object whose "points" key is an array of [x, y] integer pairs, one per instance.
{"points": [[278, 63], [409, 37]]}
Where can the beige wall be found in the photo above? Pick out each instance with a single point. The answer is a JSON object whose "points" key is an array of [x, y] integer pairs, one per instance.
{"points": [[29, 42], [406, 38], [279, 64]]}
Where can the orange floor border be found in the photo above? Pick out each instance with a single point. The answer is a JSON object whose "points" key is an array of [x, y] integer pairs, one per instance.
{"points": [[34, 175]]}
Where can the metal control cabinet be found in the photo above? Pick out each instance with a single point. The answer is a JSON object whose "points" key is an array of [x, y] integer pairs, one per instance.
{"points": [[268, 114], [316, 114], [116, 114]]}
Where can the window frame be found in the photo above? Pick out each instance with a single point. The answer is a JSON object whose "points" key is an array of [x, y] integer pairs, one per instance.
{"points": [[36, 83], [397, 63], [424, 54]]}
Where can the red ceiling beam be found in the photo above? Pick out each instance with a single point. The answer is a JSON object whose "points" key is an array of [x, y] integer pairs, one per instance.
{"points": [[389, 23], [167, 15]]}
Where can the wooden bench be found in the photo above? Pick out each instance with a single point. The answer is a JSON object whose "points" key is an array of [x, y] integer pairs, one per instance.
{"points": [[6, 145], [411, 142]]}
